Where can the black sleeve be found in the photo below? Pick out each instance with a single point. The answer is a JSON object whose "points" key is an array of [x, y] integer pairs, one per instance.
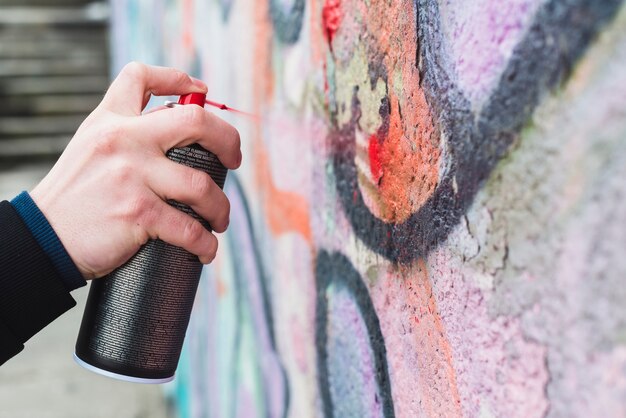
{"points": [[32, 294]]}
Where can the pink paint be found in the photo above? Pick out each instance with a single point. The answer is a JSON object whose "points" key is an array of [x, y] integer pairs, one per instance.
{"points": [[222, 106], [499, 370], [374, 150], [326, 86], [419, 352], [299, 344], [331, 18]]}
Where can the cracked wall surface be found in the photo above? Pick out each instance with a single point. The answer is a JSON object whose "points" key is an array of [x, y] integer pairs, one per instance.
{"points": [[431, 215]]}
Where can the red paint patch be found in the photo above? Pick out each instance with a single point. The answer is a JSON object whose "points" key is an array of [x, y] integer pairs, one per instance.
{"points": [[374, 150], [331, 18]]}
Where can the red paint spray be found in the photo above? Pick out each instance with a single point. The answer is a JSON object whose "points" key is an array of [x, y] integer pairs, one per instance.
{"points": [[222, 106]]}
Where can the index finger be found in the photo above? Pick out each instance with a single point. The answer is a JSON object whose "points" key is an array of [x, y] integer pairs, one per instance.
{"points": [[183, 125], [130, 91]]}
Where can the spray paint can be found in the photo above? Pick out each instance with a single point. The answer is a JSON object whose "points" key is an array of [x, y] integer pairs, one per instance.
{"points": [[136, 318]]}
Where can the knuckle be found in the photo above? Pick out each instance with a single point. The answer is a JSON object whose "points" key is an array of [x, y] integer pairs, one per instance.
{"points": [[180, 77], [135, 70], [200, 183], [142, 211], [108, 139], [193, 116], [121, 172], [192, 232]]}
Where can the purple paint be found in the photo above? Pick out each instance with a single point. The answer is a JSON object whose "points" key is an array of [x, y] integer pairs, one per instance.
{"points": [[480, 38]]}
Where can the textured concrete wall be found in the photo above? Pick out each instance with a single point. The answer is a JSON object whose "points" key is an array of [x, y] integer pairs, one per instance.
{"points": [[431, 216]]}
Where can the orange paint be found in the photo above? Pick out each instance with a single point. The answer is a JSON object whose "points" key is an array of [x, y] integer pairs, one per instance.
{"points": [[410, 156], [188, 27], [264, 77], [286, 211], [438, 389], [410, 163], [318, 45], [221, 288]]}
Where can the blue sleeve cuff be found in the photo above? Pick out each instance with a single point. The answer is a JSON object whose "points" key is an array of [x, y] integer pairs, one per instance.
{"points": [[48, 240]]}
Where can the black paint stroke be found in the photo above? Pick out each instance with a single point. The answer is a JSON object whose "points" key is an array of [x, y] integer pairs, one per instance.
{"points": [[335, 269], [237, 194], [561, 32], [287, 24]]}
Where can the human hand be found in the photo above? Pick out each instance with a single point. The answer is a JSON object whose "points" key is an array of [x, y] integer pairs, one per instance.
{"points": [[105, 196]]}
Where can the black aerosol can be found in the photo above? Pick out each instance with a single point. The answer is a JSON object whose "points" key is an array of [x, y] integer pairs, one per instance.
{"points": [[136, 318]]}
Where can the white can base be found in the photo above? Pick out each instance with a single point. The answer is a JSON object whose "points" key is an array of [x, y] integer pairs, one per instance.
{"points": [[120, 376]]}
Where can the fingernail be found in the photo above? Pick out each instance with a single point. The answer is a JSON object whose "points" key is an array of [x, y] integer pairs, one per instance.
{"points": [[198, 83], [239, 159]]}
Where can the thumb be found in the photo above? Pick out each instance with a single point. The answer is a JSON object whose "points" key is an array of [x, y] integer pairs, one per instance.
{"points": [[130, 91]]}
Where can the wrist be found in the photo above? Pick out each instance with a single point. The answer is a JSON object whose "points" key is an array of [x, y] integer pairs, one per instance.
{"points": [[48, 240]]}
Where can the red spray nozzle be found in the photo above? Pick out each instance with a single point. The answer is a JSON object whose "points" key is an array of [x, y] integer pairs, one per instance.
{"points": [[192, 98]]}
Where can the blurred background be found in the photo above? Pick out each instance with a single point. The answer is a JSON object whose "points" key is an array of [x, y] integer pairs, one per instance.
{"points": [[54, 69]]}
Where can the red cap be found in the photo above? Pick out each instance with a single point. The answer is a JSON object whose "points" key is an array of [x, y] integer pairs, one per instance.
{"points": [[192, 98]]}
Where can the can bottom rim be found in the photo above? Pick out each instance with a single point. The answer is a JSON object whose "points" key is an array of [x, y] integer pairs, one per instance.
{"points": [[125, 378]]}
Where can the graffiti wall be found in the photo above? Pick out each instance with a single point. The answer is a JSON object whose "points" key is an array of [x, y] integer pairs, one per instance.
{"points": [[431, 215]]}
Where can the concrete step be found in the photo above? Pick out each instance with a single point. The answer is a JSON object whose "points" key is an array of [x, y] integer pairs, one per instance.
{"points": [[41, 146], [28, 126], [50, 33], [53, 84], [89, 14], [40, 48], [49, 104], [62, 3], [53, 73], [77, 65]]}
